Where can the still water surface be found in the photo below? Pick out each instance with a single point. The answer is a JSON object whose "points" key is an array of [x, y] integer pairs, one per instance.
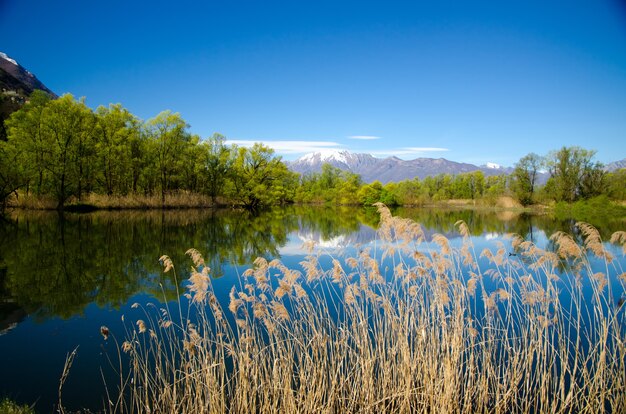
{"points": [[63, 278]]}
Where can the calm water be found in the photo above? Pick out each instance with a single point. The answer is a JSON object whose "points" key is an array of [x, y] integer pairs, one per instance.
{"points": [[61, 279]]}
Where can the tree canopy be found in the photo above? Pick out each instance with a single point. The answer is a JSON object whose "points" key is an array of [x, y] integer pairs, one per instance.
{"points": [[64, 150]]}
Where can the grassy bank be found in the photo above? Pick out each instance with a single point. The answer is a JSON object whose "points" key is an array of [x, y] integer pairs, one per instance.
{"points": [[441, 334], [596, 209]]}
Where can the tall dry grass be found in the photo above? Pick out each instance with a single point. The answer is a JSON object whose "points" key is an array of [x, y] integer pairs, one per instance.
{"points": [[174, 199], [447, 333]]}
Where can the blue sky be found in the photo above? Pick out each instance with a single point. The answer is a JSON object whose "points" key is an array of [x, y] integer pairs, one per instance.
{"points": [[469, 81]]}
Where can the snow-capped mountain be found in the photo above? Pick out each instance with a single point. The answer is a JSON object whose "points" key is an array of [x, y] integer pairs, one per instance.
{"points": [[16, 84], [387, 169], [7, 58], [16, 80], [344, 160]]}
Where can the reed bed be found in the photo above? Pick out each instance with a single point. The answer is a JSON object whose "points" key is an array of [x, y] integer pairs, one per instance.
{"points": [[175, 200], [414, 326]]}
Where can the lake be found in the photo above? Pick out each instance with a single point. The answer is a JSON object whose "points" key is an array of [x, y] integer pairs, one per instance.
{"points": [[61, 279]]}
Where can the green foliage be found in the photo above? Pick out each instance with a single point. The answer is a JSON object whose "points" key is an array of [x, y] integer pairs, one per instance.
{"points": [[54, 143], [217, 161], [598, 210], [616, 184], [524, 177], [11, 174], [10, 407], [259, 178], [330, 186], [119, 150], [168, 143], [63, 150], [574, 175]]}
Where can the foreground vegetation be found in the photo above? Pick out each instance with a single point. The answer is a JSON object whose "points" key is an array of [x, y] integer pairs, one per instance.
{"points": [[530, 331], [60, 151], [9, 407]]}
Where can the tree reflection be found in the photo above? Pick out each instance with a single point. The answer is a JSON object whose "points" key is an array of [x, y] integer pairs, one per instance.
{"points": [[56, 266]]}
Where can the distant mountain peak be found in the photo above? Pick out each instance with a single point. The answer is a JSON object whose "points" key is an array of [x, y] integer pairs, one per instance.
{"points": [[7, 58], [326, 155], [615, 165], [16, 85]]}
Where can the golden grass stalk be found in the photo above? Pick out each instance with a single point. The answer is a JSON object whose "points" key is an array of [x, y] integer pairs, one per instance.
{"points": [[430, 337]]}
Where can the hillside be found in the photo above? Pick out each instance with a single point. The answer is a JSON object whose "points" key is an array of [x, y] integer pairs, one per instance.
{"points": [[16, 84]]}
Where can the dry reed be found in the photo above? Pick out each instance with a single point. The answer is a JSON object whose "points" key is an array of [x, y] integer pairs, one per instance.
{"points": [[437, 336]]}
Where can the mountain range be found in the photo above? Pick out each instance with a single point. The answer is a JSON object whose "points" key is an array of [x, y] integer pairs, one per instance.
{"points": [[16, 84], [615, 165], [388, 169], [394, 169]]}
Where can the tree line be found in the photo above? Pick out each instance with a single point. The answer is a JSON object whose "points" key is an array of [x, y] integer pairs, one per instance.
{"points": [[60, 148], [63, 149]]}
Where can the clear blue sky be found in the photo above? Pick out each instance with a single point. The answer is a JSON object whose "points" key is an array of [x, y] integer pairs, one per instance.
{"points": [[484, 81]]}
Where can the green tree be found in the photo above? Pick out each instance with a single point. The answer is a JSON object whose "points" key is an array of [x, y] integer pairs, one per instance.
{"points": [[11, 174], [370, 193], [117, 131], [348, 188], [616, 184], [525, 177], [573, 173], [218, 164], [258, 177], [54, 140], [26, 133], [168, 141]]}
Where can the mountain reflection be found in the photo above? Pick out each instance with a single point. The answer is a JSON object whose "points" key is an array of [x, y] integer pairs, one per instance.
{"points": [[56, 266]]}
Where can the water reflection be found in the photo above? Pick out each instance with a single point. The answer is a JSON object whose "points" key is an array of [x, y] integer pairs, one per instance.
{"points": [[56, 266], [72, 274]]}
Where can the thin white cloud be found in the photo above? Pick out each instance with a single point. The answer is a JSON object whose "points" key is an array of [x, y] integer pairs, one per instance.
{"points": [[289, 147], [364, 137]]}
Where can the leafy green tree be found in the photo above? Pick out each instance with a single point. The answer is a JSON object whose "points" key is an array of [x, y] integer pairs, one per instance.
{"points": [[168, 141], [257, 176], [348, 188], [12, 176], [117, 131], [370, 193], [525, 177], [26, 133], [410, 192], [54, 140], [495, 186], [574, 175], [218, 164], [616, 184], [191, 173]]}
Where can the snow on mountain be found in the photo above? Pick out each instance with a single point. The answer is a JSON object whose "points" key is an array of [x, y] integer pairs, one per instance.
{"points": [[387, 169], [5, 57], [16, 84], [326, 156], [493, 165]]}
